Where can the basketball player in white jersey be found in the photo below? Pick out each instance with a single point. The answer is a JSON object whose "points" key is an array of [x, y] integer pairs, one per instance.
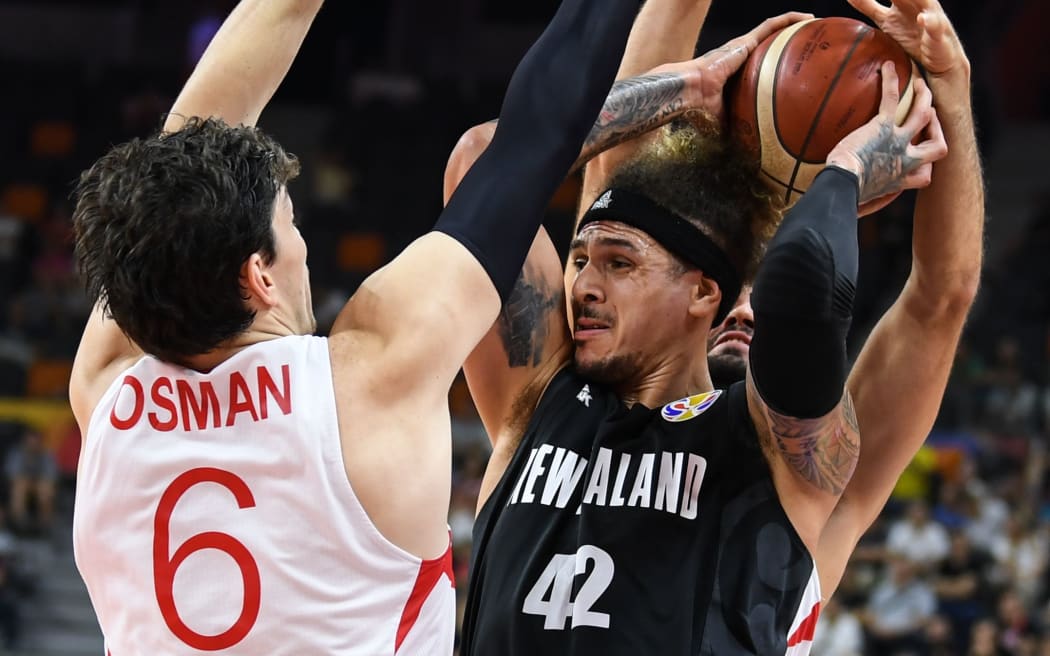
{"points": [[244, 487]]}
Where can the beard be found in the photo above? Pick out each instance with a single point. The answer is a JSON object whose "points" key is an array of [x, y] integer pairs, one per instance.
{"points": [[726, 369], [613, 370]]}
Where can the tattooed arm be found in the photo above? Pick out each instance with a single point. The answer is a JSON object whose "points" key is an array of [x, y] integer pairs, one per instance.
{"points": [[802, 299], [634, 106], [905, 362]]}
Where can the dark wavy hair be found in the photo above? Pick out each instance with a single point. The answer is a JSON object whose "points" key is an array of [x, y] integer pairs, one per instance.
{"points": [[164, 224], [700, 176]]}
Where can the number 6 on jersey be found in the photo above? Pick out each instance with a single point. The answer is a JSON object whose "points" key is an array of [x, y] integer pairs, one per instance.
{"points": [[551, 596]]}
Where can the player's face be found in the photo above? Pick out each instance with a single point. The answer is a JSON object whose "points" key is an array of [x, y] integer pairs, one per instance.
{"points": [[729, 342], [289, 267], [629, 302]]}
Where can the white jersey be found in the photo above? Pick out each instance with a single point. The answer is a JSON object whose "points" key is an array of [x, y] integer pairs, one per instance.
{"points": [[213, 513]]}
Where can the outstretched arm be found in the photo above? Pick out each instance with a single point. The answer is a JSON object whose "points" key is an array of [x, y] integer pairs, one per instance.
{"points": [[899, 378], [803, 298], [437, 299], [234, 80]]}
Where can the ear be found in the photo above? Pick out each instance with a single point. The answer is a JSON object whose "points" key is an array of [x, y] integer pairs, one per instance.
{"points": [[258, 284], [706, 298]]}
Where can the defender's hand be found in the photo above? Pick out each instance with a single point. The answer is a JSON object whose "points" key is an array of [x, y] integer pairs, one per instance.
{"points": [[882, 154], [923, 30], [717, 66]]}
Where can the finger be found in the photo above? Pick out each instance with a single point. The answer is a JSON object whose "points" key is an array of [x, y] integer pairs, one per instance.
{"points": [[909, 8], [774, 24], [891, 95], [919, 178], [731, 56], [871, 8], [921, 109], [934, 147]]}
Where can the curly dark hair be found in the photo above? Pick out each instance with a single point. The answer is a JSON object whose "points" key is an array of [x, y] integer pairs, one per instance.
{"points": [[697, 174], [164, 224]]}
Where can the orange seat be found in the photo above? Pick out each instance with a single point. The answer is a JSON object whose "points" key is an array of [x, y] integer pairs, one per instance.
{"points": [[52, 139], [25, 201], [361, 251], [49, 378]]}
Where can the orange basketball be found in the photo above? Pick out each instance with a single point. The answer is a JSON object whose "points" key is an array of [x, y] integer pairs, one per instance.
{"points": [[805, 88]]}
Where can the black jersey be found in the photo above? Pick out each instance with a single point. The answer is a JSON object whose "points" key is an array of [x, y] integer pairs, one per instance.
{"points": [[638, 531]]}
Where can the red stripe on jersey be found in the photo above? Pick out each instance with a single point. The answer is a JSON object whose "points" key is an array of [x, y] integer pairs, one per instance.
{"points": [[430, 572], [805, 630]]}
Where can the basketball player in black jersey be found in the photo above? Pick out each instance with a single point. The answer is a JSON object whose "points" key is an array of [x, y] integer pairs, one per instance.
{"points": [[847, 522], [900, 375]]}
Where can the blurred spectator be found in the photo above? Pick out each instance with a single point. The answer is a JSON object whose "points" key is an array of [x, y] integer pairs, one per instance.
{"points": [[898, 610], [918, 539], [984, 640], [1014, 624], [33, 475], [1011, 400], [1021, 557], [961, 587]]}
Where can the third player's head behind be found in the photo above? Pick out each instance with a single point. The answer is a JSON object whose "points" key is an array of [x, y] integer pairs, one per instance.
{"points": [[188, 240], [729, 343], [639, 306]]}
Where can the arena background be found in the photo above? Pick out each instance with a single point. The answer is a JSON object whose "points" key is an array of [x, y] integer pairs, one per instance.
{"points": [[373, 106]]}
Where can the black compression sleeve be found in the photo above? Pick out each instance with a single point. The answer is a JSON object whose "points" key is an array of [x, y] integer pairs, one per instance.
{"points": [[803, 300], [551, 104]]}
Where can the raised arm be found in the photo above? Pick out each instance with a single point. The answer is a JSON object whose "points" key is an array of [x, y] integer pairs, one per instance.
{"points": [[245, 62], [236, 77], [667, 31], [436, 300], [901, 373], [803, 298]]}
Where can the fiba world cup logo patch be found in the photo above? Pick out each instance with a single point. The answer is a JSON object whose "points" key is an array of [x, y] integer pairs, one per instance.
{"points": [[690, 407]]}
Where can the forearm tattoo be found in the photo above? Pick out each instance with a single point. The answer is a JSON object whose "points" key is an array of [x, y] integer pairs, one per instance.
{"points": [[523, 321], [824, 450], [634, 107], [884, 162]]}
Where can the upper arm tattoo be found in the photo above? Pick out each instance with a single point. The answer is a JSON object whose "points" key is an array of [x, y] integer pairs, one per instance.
{"points": [[523, 320], [635, 106], [823, 450]]}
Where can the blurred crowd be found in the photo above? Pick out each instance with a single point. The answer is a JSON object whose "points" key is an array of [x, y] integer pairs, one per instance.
{"points": [[957, 564]]}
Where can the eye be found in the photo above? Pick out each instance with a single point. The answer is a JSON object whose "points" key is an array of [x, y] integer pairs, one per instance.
{"points": [[579, 262], [619, 263]]}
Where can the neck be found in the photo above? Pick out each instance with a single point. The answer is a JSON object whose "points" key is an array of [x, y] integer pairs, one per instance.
{"points": [[672, 379], [264, 328]]}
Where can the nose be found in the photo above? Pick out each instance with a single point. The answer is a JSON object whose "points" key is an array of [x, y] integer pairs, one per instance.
{"points": [[741, 314], [587, 288]]}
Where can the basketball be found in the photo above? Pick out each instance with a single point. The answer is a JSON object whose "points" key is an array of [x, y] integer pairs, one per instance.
{"points": [[805, 88]]}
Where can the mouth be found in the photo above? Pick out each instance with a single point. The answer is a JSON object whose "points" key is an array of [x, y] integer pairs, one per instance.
{"points": [[587, 327], [738, 336]]}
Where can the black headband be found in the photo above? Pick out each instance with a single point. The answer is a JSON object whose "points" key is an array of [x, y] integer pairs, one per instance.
{"points": [[673, 233]]}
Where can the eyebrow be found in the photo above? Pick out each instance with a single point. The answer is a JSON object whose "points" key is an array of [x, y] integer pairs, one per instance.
{"points": [[579, 242]]}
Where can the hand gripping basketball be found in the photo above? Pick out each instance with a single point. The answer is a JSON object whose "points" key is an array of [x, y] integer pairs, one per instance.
{"points": [[718, 65], [882, 154], [923, 30]]}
